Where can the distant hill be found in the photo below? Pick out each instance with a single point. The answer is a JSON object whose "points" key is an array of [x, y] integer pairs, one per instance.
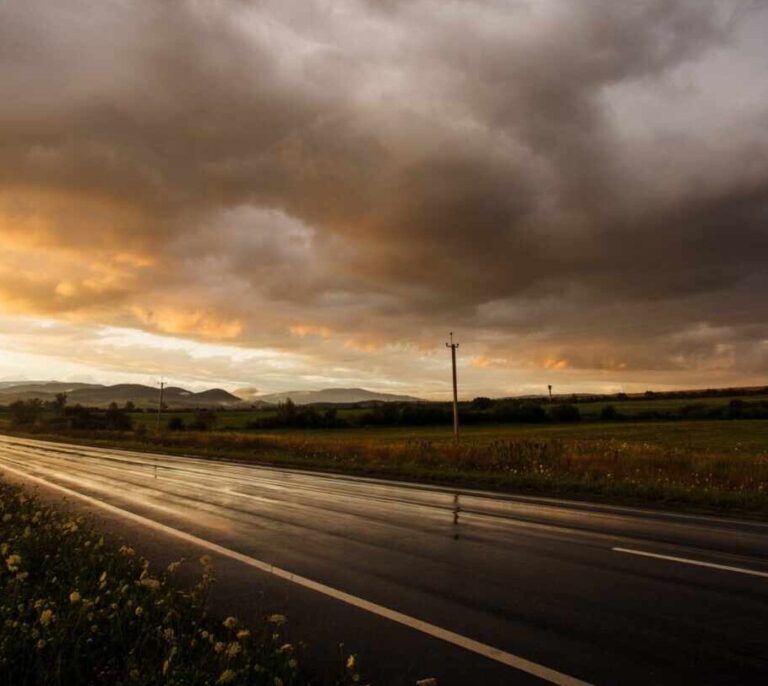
{"points": [[334, 395], [51, 387], [97, 395]]}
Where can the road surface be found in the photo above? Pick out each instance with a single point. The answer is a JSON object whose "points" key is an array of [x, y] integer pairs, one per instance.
{"points": [[465, 586]]}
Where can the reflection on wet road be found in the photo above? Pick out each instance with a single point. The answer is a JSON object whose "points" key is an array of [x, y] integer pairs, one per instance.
{"points": [[529, 587]]}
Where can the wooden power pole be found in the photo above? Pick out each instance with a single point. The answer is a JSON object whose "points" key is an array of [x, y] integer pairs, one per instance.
{"points": [[160, 405], [453, 347]]}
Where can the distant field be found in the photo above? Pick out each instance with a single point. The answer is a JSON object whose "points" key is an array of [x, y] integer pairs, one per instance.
{"points": [[633, 407], [736, 437]]}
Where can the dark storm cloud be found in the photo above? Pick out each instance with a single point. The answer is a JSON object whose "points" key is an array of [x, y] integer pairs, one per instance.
{"points": [[586, 177]]}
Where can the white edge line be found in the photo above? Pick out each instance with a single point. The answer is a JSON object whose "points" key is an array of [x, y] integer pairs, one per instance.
{"points": [[519, 663], [688, 561]]}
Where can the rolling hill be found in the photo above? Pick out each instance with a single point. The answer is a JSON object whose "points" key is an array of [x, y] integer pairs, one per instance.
{"points": [[97, 395], [334, 395]]}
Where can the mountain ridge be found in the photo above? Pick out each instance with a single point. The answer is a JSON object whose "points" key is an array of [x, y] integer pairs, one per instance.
{"points": [[333, 395], [100, 395]]}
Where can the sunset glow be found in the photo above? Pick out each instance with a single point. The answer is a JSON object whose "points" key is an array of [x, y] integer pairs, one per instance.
{"points": [[322, 193]]}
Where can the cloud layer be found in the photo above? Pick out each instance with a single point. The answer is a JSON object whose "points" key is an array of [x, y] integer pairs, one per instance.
{"points": [[579, 188]]}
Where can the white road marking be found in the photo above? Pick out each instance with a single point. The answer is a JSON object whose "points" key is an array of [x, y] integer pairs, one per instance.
{"points": [[514, 661], [688, 561]]}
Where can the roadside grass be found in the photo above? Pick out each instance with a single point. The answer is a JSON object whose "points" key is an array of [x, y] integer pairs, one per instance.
{"points": [[732, 437], [719, 467], [76, 611]]}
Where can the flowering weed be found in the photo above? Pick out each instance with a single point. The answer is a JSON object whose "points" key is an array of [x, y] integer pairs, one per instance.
{"points": [[75, 611]]}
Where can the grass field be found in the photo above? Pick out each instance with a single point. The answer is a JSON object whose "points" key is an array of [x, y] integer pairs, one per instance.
{"points": [[737, 437]]}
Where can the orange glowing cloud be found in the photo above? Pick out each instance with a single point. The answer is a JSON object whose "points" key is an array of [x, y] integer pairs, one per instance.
{"points": [[555, 364], [196, 322], [304, 330]]}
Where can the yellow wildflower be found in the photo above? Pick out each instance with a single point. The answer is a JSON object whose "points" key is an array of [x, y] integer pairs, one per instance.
{"points": [[243, 633], [230, 622], [219, 647], [46, 617], [74, 597], [276, 619], [234, 649], [226, 676]]}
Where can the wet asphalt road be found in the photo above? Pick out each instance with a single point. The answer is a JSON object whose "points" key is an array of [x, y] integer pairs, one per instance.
{"points": [[520, 590]]}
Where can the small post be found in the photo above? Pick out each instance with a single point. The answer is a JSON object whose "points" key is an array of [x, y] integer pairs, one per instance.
{"points": [[456, 508], [453, 347]]}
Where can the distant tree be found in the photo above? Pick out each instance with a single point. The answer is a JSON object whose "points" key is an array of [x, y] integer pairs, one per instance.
{"points": [[565, 413], [532, 413], [116, 419], [330, 417], [482, 403], [175, 423], [608, 413], [25, 413], [735, 409], [515, 411], [130, 406], [286, 413], [204, 420], [59, 403]]}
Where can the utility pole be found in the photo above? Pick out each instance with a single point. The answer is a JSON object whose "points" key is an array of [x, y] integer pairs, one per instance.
{"points": [[160, 404], [453, 347], [550, 392]]}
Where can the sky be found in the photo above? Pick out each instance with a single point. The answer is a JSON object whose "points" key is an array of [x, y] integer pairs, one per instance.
{"points": [[295, 194]]}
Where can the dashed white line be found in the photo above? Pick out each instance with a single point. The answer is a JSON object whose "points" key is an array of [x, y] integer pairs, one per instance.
{"points": [[545, 673], [697, 563]]}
